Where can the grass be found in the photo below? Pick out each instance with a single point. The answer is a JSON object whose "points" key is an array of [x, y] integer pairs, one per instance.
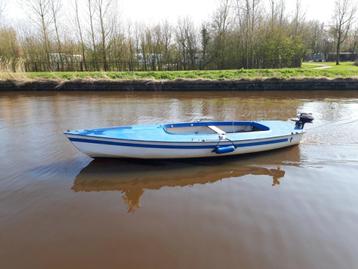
{"points": [[308, 70]]}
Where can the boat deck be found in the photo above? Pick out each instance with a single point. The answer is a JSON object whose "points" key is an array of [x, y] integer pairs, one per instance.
{"points": [[159, 132]]}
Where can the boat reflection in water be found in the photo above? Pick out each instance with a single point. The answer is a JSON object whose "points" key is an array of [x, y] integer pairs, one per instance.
{"points": [[133, 177]]}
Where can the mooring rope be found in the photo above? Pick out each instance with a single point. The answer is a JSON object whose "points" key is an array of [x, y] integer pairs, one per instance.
{"points": [[335, 123]]}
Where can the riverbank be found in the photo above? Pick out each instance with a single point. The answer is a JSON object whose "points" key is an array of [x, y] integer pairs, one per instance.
{"points": [[313, 76], [180, 85]]}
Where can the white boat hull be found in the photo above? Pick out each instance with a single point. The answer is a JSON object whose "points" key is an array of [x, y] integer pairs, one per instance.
{"points": [[114, 148]]}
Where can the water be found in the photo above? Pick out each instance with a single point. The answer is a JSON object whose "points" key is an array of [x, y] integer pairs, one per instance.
{"points": [[291, 208]]}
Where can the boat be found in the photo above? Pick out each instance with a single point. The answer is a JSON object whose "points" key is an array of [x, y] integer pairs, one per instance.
{"points": [[198, 139]]}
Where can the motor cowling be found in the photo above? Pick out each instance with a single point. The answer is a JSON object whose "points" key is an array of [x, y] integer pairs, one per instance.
{"points": [[303, 118]]}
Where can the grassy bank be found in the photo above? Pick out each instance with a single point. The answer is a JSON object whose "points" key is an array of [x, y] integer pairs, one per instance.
{"points": [[308, 70]]}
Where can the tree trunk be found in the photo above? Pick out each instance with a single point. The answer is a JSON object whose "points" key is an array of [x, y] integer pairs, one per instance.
{"points": [[54, 18], [93, 39], [81, 37], [338, 50], [46, 41], [103, 36]]}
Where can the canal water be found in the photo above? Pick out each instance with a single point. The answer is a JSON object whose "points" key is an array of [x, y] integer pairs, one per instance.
{"points": [[291, 208]]}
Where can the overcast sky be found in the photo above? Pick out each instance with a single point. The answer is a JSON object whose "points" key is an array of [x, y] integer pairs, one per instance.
{"points": [[199, 10], [152, 11]]}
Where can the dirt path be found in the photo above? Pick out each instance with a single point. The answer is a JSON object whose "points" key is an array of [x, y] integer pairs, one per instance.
{"points": [[323, 67]]}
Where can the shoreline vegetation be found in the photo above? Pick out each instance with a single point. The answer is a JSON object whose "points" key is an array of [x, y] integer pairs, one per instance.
{"points": [[252, 36], [311, 76], [308, 70]]}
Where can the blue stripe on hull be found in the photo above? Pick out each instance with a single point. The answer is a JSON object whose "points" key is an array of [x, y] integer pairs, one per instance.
{"points": [[251, 144]]}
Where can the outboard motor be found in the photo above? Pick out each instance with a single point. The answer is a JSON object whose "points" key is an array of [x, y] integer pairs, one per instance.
{"points": [[303, 118]]}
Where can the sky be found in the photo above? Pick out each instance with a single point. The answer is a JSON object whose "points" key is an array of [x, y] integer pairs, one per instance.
{"points": [[153, 11], [199, 10]]}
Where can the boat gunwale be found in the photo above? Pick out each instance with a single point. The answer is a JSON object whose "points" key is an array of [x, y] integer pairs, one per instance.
{"points": [[238, 145], [182, 142]]}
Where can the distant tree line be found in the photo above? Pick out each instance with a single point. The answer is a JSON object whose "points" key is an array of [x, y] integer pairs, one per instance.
{"points": [[240, 34]]}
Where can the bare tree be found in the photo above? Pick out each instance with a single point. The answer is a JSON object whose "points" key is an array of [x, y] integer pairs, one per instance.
{"points": [[55, 7], [41, 13], [106, 22], [145, 47], [354, 41], [220, 26], [91, 13], [254, 23], [187, 43], [205, 38], [273, 13], [277, 12], [298, 19], [344, 16], [167, 42], [158, 46], [248, 13], [9, 49], [80, 33]]}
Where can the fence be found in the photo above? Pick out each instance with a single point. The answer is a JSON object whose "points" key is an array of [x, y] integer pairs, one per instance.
{"points": [[120, 66], [115, 66]]}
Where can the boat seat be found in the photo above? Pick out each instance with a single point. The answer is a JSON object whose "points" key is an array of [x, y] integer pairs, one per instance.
{"points": [[217, 130]]}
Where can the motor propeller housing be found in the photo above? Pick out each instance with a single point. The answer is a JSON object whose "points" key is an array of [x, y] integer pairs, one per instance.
{"points": [[303, 118]]}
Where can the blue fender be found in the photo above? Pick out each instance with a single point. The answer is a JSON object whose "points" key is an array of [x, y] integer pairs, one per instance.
{"points": [[224, 149]]}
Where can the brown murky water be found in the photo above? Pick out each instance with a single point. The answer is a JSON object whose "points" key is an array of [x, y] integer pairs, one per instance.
{"points": [[292, 208]]}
